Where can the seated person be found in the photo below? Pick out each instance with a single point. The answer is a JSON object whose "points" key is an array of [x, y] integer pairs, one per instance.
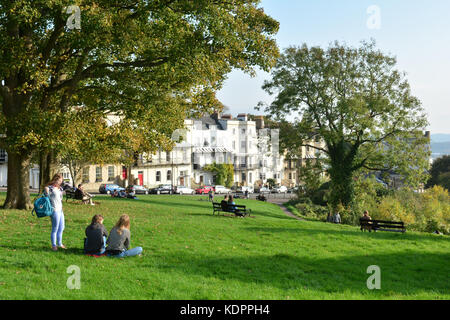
{"points": [[96, 233], [131, 195], [261, 197], [224, 203], [78, 193], [119, 240], [81, 194], [231, 207], [365, 218], [122, 194]]}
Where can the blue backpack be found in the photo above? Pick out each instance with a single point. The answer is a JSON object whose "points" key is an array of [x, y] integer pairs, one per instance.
{"points": [[42, 207]]}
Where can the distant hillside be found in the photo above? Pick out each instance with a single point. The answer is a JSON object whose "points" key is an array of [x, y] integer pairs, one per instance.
{"points": [[440, 137], [439, 149]]}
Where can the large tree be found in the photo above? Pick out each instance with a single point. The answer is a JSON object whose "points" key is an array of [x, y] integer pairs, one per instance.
{"points": [[358, 104], [440, 172], [150, 62]]}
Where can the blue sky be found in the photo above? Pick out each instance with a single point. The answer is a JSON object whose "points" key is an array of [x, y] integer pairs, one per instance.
{"points": [[417, 32]]}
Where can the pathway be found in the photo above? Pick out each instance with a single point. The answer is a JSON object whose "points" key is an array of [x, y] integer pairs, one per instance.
{"points": [[279, 202]]}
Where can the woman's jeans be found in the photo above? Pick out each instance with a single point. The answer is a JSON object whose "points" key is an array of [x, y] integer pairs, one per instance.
{"points": [[57, 227], [128, 253]]}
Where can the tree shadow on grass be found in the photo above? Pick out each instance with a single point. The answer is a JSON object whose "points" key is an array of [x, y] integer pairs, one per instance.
{"points": [[401, 273], [356, 232], [204, 206], [70, 251], [207, 208]]}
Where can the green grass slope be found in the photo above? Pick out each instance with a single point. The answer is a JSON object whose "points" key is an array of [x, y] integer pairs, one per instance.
{"points": [[191, 254]]}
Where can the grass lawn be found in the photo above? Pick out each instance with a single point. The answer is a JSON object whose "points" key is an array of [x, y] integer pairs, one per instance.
{"points": [[191, 254]]}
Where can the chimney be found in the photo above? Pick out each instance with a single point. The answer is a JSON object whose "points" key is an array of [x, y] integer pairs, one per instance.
{"points": [[259, 122]]}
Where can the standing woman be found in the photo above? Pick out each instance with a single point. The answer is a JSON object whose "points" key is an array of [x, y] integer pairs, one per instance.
{"points": [[55, 192]]}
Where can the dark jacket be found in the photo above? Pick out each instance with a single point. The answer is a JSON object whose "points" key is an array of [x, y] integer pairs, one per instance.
{"points": [[78, 194], [94, 238], [224, 205]]}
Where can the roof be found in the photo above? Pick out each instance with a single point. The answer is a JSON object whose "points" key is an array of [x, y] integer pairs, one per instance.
{"points": [[208, 121]]}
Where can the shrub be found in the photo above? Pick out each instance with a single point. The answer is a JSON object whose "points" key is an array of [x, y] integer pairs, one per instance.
{"points": [[312, 211]]}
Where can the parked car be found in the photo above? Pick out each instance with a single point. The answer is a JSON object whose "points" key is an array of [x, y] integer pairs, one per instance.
{"points": [[280, 189], [204, 190], [293, 190], [162, 188], [263, 190], [137, 189], [221, 189], [242, 189], [184, 190], [109, 187]]}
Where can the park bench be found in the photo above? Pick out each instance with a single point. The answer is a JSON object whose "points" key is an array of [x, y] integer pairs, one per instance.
{"points": [[240, 209], [382, 225], [70, 194]]}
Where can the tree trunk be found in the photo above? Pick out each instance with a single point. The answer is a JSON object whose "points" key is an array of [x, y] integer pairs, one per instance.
{"points": [[47, 168], [342, 188], [18, 194], [341, 174]]}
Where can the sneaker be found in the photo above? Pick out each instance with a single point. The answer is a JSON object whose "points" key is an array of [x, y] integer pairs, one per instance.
{"points": [[54, 248], [62, 246]]}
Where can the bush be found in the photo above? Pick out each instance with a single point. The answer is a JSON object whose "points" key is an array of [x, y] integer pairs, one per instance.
{"points": [[426, 212], [312, 211]]}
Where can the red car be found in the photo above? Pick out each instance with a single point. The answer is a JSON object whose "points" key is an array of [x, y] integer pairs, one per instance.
{"points": [[204, 190]]}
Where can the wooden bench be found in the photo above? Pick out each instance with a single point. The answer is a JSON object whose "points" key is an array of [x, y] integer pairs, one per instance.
{"points": [[70, 194], [240, 209], [382, 225]]}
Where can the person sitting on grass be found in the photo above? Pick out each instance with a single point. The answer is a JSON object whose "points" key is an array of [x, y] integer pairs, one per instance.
{"points": [[261, 197], [131, 195], [122, 194], [119, 240], [96, 233]]}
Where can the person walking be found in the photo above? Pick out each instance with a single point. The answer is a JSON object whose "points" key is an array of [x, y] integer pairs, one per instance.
{"points": [[54, 191], [119, 240], [211, 195]]}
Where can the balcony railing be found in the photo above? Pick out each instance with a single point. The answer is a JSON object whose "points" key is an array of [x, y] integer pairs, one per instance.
{"points": [[245, 166]]}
